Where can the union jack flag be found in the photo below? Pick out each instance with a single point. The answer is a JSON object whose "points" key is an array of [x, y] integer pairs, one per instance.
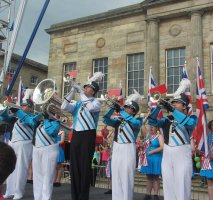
{"points": [[188, 93], [201, 106], [152, 85]]}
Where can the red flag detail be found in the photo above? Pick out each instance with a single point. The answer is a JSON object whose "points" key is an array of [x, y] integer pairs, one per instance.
{"points": [[9, 99], [161, 88], [73, 73], [114, 92], [8, 76]]}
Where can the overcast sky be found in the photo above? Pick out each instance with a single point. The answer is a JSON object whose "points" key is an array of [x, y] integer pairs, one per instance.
{"points": [[57, 11]]}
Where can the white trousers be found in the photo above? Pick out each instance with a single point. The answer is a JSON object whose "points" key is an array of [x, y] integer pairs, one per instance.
{"points": [[123, 170], [177, 172], [17, 180], [44, 170]]}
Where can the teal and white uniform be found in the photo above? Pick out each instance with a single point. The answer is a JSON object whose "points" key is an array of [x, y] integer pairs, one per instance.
{"points": [[21, 142], [177, 153], [127, 128]]}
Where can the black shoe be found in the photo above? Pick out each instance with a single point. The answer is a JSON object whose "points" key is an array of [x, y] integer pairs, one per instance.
{"points": [[56, 184], [30, 181], [147, 197], [156, 197], [108, 192]]}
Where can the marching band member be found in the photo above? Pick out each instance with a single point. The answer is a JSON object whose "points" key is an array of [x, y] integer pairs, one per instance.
{"points": [[45, 155], [85, 119], [21, 142], [127, 128], [177, 152]]}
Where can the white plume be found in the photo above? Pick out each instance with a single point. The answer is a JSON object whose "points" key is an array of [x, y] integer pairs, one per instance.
{"points": [[28, 94], [183, 86], [134, 97], [97, 76]]}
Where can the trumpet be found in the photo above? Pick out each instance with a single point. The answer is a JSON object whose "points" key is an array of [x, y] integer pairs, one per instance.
{"points": [[156, 97], [45, 96], [111, 102]]}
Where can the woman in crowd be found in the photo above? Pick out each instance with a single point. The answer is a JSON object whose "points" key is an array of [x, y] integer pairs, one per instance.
{"points": [[104, 158], [207, 168], [151, 160]]}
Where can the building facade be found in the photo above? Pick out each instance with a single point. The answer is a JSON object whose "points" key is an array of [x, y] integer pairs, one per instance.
{"points": [[31, 73], [124, 43]]}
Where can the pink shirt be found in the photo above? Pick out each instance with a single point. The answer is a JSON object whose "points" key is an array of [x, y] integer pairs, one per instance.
{"points": [[105, 155]]}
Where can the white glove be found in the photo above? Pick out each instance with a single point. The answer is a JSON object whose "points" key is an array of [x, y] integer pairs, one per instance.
{"points": [[77, 88]]}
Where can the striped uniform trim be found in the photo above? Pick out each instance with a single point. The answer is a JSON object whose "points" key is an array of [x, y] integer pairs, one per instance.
{"points": [[21, 132], [85, 120], [42, 138], [178, 135], [126, 133]]}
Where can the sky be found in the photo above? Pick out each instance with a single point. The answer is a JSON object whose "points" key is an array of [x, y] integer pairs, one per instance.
{"points": [[57, 11]]}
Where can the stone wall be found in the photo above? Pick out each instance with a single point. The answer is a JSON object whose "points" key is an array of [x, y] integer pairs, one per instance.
{"points": [[151, 29]]}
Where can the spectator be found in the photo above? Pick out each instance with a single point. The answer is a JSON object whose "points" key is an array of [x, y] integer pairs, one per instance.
{"points": [[7, 164], [208, 171], [97, 155], [104, 159], [151, 160], [105, 132]]}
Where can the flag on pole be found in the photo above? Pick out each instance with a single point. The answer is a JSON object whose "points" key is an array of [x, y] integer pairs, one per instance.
{"points": [[20, 94], [152, 85], [201, 106], [187, 93], [121, 98], [73, 73], [8, 75]]}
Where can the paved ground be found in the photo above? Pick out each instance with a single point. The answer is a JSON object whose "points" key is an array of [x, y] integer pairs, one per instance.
{"points": [[63, 193]]}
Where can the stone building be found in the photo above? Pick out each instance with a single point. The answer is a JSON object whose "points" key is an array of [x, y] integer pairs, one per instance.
{"points": [[123, 43], [31, 73]]}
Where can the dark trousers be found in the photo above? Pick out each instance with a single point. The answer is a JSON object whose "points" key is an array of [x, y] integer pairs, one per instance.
{"points": [[81, 153]]}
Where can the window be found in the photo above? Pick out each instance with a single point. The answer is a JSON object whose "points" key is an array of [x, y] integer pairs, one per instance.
{"points": [[101, 65], [135, 73], [212, 67], [33, 80], [68, 68], [175, 59]]}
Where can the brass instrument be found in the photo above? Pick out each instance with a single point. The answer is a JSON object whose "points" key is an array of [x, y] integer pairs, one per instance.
{"points": [[45, 96], [155, 97], [110, 102]]}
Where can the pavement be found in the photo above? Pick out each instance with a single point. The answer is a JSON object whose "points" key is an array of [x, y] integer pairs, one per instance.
{"points": [[63, 193]]}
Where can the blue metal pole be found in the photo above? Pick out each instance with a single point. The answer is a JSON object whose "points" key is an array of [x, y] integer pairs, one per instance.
{"points": [[21, 61]]}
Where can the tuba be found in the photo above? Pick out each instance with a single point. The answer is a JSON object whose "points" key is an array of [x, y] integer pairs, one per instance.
{"points": [[45, 96]]}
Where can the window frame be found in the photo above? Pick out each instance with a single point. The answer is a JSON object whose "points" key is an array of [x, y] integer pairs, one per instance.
{"points": [[72, 64], [174, 66], [103, 90], [143, 78], [211, 53], [33, 83]]}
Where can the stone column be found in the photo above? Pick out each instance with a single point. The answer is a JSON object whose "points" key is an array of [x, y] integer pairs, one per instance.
{"points": [[196, 47], [152, 54]]}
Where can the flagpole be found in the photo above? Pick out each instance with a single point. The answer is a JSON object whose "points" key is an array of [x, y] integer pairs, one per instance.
{"points": [[21, 61]]}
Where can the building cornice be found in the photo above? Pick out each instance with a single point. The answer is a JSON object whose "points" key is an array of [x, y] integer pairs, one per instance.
{"points": [[34, 64], [105, 16]]}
